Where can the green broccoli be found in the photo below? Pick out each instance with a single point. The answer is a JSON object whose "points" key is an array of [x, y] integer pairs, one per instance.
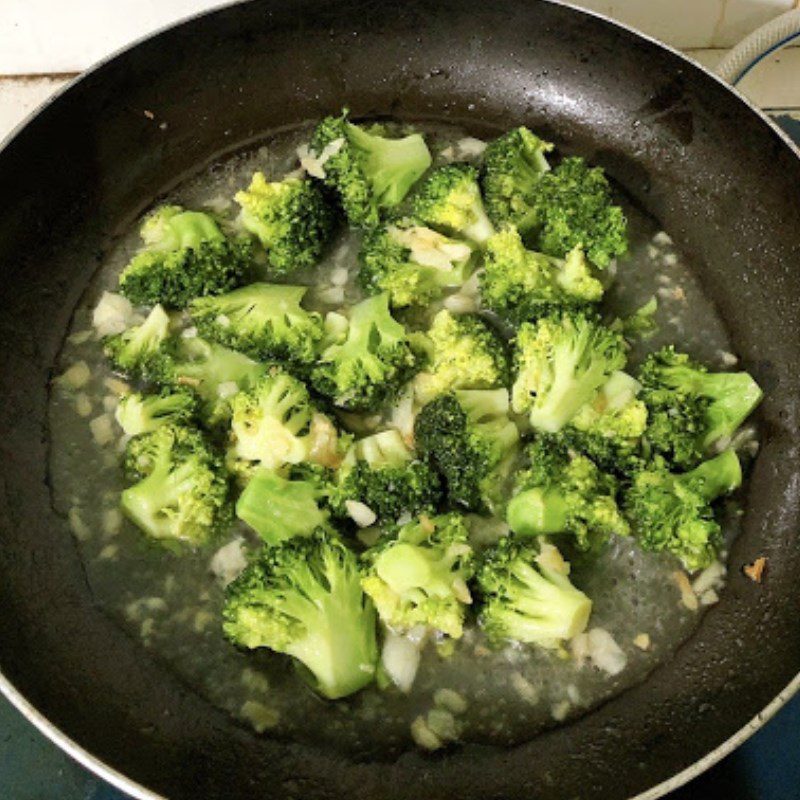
{"points": [[561, 361], [382, 472], [214, 373], [468, 436], [464, 353], [520, 285], [419, 575], [690, 409], [450, 199], [609, 429], [271, 421], [290, 218], [278, 509], [513, 166], [143, 352], [304, 598], [574, 205], [262, 320], [186, 255], [142, 413], [373, 361], [563, 492], [527, 596], [182, 493], [414, 264], [673, 512], [369, 171]]}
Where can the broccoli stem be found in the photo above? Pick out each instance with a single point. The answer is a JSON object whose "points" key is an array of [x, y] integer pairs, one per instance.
{"points": [[537, 511], [717, 476]]}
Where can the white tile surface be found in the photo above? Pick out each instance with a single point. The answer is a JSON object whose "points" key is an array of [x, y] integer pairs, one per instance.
{"points": [[692, 23]]}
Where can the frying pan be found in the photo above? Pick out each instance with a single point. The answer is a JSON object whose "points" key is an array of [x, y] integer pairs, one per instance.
{"points": [[690, 151]]}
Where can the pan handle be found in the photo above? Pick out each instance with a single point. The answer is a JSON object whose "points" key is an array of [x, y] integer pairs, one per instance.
{"points": [[759, 44]]}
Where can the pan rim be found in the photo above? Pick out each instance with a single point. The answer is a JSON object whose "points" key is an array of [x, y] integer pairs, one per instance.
{"points": [[136, 790]]}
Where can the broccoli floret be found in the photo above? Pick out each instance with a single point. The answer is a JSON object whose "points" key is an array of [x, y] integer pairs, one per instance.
{"points": [[262, 320], [513, 165], [561, 361], [690, 408], [609, 429], [215, 374], [186, 255], [563, 492], [144, 351], [182, 492], [290, 218], [371, 364], [414, 264], [304, 598], [521, 285], [464, 353], [468, 436], [279, 509], [419, 576], [450, 199], [382, 472], [575, 209], [527, 595], [271, 422], [370, 172], [673, 512], [142, 413]]}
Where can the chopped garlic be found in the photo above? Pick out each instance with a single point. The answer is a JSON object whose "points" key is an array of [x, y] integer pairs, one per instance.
{"points": [[599, 647], [662, 238], [360, 513], [424, 736], [712, 577], [77, 375], [470, 147], [560, 710], [524, 688], [451, 700], [83, 405], [314, 164], [113, 314], [117, 386], [642, 641], [229, 561], [261, 717], [400, 658], [102, 429], [79, 528], [688, 597], [112, 521]]}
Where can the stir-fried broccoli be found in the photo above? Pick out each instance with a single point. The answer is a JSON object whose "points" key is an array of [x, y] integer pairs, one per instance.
{"points": [[373, 361], [143, 352], [304, 598], [182, 493], [290, 218], [266, 321], [382, 472], [576, 210], [419, 575], [464, 353], [691, 408], [563, 492], [450, 199], [185, 255], [412, 263], [527, 595], [468, 436], [215, 374], [279, 509], [520, 285], [673, 512], [271, 422], [513, 166], [368, 170], [561, 361], [142, 413], [609, 429]]}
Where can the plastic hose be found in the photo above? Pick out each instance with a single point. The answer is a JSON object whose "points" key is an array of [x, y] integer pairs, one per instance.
{"points": [[758, 45]]}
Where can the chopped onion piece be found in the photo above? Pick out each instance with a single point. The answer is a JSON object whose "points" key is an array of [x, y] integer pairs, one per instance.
{"points": [[400, 657]]}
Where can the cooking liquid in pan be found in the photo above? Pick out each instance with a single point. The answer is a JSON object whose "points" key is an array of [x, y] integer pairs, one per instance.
{"points": [[171, 602]]}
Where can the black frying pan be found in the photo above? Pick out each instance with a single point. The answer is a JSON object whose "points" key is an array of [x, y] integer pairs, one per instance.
{"points": [[716, 175]]}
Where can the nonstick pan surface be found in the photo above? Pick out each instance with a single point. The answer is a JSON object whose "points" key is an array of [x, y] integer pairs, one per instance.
{"points": [[708, 167]]}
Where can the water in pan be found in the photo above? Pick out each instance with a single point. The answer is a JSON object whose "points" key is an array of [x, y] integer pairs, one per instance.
{"points": [[172, 601]]}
